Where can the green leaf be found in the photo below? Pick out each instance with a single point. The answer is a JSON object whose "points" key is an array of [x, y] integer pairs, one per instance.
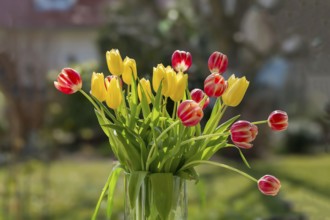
{"points": [[111, 188], [113, 176], [162, 192], [224, 126], [135, 181]]}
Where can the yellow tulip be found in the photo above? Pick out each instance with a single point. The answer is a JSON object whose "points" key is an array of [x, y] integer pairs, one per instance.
{"points": [[129, 69], [157, 76], [169, 81], [114, 95], [98, 89], [235, 91], [179, 87], [115, 62], [145, 84]]}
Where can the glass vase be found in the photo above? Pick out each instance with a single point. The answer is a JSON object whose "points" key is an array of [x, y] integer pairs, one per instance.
{"points": [[156, 196]]}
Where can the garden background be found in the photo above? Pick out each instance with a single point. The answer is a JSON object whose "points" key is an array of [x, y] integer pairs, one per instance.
{"points": [[54, 158]]}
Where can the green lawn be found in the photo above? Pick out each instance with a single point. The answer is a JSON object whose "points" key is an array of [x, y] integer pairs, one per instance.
{"points": [[69, 189]]}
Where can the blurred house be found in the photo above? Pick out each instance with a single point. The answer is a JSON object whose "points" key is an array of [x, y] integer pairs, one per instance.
{"points": [[36, 36]]}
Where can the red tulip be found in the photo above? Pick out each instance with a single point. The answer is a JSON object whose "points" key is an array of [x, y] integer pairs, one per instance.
{"points": [[190, 113], [218, 62], [68, 81], [269, 185], [278, 120], [215, 85], [242, 133], [110, 77], [198, 95], [181, 60]]}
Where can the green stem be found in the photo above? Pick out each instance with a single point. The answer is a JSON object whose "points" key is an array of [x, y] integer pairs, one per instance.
{"points": [[158, 138], [260, 122], [203, 137], [200, 162], [89, 99], [174, 110], [106, 186]]}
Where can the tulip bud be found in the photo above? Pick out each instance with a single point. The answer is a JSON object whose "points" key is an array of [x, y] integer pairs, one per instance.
{"points": [[218, 62], [145, 84], [181, 60], [198, 95], [115, 62], [110, 77], [129, 70], [269, 185], [179, 86], [98, 89], [215, 85], [235, 91], [68, 81], [190, 113], [278, 120], [114, 95], [157, 76], [242, 133]]}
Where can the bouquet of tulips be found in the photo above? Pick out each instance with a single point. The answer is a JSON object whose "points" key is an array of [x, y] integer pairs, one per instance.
{"points": [[148, 139]]}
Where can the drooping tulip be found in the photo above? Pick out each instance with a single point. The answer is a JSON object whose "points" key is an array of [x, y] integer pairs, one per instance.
{"points": [[114, 95], [198, 95], [217, 62], [145, 85], [278, 120], [269, 185], [235, 91], [181, 60], [129, 70], [115, 62], [243, 133], [190, 113], [68, 81], [215, 85], [98, 89]]}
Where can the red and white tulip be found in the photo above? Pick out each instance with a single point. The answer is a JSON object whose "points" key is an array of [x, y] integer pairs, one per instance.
{"points": [[215, 85], [269, 185], [198, 95], [243, 133], [217, 62], [190, 113], [278, 120], [68, 81], [181, 60]]}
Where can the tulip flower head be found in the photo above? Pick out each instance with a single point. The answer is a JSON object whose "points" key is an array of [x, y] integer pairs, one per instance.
{"points": [[235, 91], [278, 120], [68, 81], [198, 95], [217, 62], [242, 133], [145, 85], [157, 76], [190, 113], [215, 85], [178, 86], [114, 95], [115, 62], [98, 89], [110, 77], [129, 70], [269, 185], [181, 60]]}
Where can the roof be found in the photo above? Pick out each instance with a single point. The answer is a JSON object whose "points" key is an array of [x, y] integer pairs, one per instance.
{"points": [[51, 13]]}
